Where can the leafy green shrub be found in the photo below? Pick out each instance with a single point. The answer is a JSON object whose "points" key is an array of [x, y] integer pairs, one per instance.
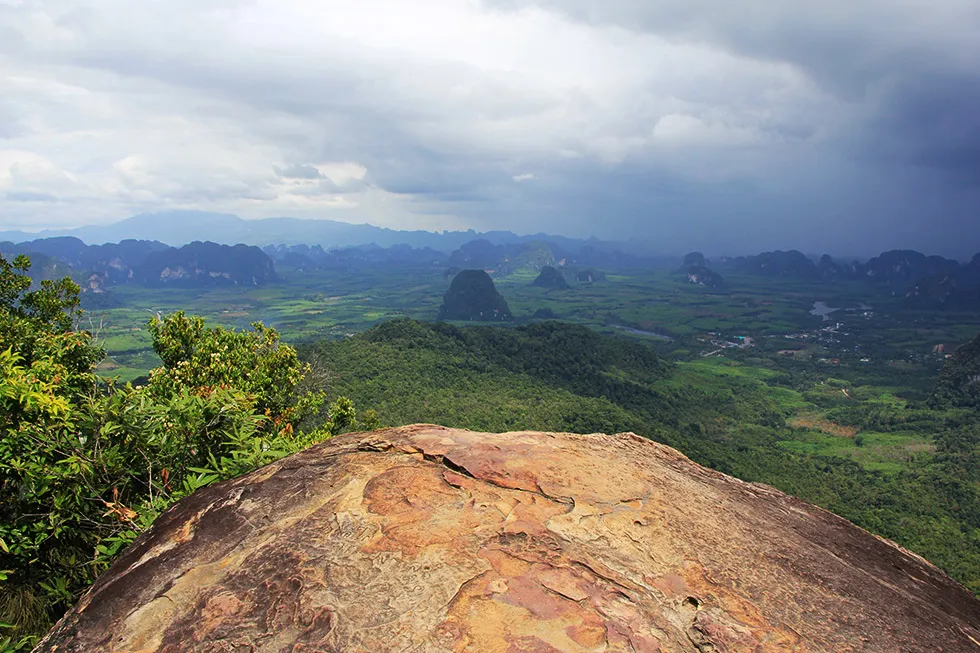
{"points": [[86, 466]]}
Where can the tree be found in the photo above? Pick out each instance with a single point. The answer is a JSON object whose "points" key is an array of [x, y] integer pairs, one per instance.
{"points": [[45, 377], [86, 465], [255, 362]]}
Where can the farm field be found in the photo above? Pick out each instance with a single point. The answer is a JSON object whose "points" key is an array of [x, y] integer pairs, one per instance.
{"points": [[329, 304], [758, 334]]}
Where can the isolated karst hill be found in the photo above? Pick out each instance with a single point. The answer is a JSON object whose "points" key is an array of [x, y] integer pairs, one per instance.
{"points": [[551, 279], [200, 263], [791, 264], [472, 296], [589, 275], [696, 259], [702, 276], [434, 539], [958, 290], [695, 268]]}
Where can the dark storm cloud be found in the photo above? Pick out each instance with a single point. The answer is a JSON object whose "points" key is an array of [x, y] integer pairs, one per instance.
{"points": [[934, 121], [847, 46], [913, 70]]}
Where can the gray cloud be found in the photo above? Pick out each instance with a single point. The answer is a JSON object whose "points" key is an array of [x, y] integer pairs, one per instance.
{"points": [[907, 73], [297, 171], [708, 125], [26, 196]]}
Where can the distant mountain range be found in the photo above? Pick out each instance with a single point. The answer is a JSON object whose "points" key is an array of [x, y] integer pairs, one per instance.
{"points": [[146, 262], [138, 250], [177, 228], [480, 254], [896, 269], [152, 263], [931, 282]]}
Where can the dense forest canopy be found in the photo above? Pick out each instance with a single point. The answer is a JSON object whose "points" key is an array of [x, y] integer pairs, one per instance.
{"points": [[562, 377], [959, 381]]}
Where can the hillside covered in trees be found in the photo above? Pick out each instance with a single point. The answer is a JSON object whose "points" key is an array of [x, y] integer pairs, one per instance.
{"points": [[560, 377]]}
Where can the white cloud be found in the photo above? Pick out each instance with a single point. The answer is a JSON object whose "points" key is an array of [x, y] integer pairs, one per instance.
{"points": [[527, 176], [342, 173], [688, 130]]}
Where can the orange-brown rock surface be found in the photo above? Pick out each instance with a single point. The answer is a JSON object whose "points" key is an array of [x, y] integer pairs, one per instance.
{"points": [[424, 538]]}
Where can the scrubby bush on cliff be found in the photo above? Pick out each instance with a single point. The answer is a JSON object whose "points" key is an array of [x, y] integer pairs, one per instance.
{"points": [[85, 466]]}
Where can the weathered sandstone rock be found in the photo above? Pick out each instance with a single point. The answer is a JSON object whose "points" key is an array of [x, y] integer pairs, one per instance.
{"points": [[424, 538]]}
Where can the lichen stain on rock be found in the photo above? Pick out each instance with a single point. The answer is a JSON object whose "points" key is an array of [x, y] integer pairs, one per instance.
{"points": [[424, 538]]}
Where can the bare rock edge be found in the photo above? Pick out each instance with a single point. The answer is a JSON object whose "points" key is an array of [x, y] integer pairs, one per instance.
{"points": [[424, 538]]}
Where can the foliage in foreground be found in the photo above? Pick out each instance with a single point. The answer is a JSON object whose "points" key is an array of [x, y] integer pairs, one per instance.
{"points": [[85, 465]]}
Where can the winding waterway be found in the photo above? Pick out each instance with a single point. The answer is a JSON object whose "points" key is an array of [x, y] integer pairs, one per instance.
{"points": [[641, 332]]}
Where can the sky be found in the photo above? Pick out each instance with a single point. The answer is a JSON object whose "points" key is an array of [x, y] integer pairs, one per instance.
{"points": [[729, 127]]}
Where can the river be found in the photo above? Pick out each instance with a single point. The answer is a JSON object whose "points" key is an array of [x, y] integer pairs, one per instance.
{"points": [[823, 310], [641, 332]]}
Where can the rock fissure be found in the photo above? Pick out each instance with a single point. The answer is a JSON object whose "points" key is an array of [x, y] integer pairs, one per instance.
{"points": [[626, 590], [447, 462], [563, 595], [453, 466], [460, 589]]}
